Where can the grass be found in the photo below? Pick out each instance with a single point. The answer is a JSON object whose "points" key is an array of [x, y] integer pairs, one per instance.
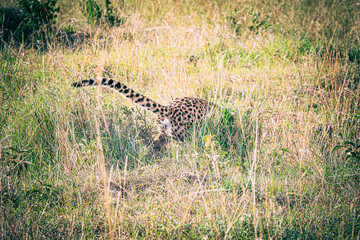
{"points": [[79, 164]]}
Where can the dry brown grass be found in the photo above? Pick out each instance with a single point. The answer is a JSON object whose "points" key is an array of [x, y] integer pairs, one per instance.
{"points": [[79, 164]]}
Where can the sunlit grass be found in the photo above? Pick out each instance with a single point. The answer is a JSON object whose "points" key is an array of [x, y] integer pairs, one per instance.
{"points": [[261, 166]]}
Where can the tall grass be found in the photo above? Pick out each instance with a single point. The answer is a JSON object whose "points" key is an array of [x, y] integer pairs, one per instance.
{"points": [[80, 164]]}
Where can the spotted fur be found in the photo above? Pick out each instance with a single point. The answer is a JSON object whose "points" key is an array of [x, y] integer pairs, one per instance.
{"points": [[173, 119]]}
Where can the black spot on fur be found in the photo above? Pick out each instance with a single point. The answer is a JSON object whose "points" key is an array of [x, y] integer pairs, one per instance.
{"points": [[179, 119], [137, 95], [91, 81], [118, 85], [76, 84], [148, 104], [126, 90], [139, 100], [110, 82], [154, 104], [103, 81]]}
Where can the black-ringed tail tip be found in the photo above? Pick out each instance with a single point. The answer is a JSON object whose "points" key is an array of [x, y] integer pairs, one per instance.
{"points": [[173, 119], [89, 82]]}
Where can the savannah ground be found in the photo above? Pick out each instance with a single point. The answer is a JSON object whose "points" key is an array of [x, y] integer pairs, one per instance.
{"points": [[278, 159]]}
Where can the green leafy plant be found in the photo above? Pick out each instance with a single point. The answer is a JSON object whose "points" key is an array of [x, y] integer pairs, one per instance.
{"points": [[258, 22], [38, 13], [92, 11], [69, 29], [95, 14], [28, 18]]}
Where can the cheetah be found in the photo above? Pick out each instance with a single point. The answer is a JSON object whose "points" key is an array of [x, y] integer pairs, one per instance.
{"points": [[173, 120]]}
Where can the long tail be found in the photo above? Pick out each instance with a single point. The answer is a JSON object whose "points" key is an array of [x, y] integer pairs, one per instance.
{"points": [[122, 89]]}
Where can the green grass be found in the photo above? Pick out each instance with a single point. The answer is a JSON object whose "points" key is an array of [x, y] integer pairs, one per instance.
{"points": [[78, 163]]}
